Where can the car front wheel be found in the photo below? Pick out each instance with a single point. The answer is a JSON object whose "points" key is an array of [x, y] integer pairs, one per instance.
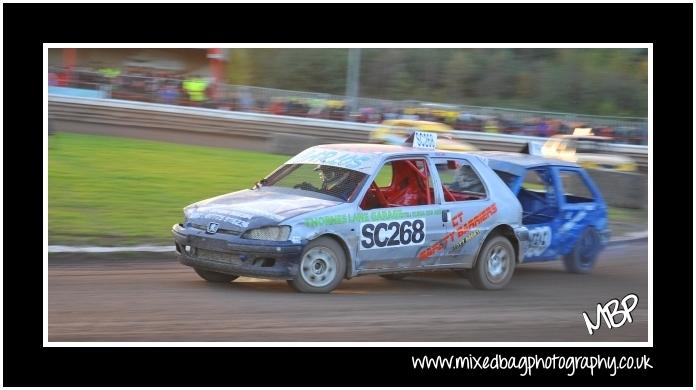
{"points": [[322, 267], [495, 264]]}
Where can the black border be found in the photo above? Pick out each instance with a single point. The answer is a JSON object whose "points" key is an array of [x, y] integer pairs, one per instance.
{"points": [[26, 26]]}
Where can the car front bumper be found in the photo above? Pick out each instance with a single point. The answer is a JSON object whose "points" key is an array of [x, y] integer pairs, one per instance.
{"points": [[230, 254]]}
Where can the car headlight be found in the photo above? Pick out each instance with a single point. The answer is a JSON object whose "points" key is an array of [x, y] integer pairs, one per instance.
{"points": [[269, 233]]}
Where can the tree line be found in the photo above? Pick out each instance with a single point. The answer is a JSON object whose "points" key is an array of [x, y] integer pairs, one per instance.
{"points": [[586, 81]]}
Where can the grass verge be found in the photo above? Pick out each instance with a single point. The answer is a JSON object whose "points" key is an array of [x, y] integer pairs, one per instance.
{"points": [[119, 191]]}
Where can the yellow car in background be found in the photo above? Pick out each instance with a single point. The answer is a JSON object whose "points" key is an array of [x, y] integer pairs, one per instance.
{"points": [[588, 151], [397, 131]]}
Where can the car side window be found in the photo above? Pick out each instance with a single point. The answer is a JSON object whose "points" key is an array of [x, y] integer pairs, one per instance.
{"points": [[575, 189], [460, 182], [400, 183], [537, 182], [385, 176]]}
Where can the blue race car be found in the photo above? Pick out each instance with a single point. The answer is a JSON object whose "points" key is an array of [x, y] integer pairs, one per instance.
{"points": [[561, 206]]}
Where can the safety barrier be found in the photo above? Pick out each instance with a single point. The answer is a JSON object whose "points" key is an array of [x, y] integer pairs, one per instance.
{"points": [[248, 130]]}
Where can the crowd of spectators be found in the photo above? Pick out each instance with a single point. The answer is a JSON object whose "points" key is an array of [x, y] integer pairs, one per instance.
{"points": [[167, 87]]}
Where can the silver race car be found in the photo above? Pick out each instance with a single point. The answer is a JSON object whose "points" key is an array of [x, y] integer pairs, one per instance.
{"points": [[340, 211]]}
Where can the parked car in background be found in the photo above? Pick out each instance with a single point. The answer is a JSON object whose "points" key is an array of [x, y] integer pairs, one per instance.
{"points": [[398, 131], [588, 151]]}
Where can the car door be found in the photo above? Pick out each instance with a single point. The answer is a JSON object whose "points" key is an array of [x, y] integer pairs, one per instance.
{"points": [[467, 208], [539, 196], [401, 215], [581, 206]]}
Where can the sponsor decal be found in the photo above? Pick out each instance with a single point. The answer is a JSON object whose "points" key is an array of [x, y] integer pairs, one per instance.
{"points": [[466, 239], [362, 162], [392, 234], [231, 213], [374, 216], [217, 213], [220, 218], [460, 230]]}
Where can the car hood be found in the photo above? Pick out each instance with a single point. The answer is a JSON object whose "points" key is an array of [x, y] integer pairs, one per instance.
{"points": [[245, 209]]}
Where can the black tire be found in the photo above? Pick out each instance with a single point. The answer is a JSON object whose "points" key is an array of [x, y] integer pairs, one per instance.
{"points": [[394, 276], [495, 264], [582, 259], [215, 277], [322, 267]]}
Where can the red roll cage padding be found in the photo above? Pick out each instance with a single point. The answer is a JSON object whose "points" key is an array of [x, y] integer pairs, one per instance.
{"points": [[405, 170], [449, 196], [424, 179]]}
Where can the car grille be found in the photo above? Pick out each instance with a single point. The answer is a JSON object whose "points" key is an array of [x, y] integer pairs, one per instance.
{"points": [[223, 231], [220, 257]]}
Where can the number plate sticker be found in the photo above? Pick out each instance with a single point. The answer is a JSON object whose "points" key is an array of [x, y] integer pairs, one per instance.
{"points": [[389, 234], [539, 241], [422, 139]]}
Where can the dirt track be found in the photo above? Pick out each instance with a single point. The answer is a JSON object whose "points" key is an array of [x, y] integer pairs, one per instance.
{"points": [[153, 299]]}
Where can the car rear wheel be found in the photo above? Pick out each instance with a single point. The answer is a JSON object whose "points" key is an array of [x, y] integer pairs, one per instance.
{"points": [[583, 257], [495, 264], [215, 277], [322, 267]]}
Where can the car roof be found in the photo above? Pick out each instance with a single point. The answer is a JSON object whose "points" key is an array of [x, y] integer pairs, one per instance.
{"points": [[518, 163], [515, 163], [372, 148], [520, 159], [359, 157]]}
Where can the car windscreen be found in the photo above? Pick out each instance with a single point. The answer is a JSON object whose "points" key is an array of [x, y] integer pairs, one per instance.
{"points": [[341, 183]]}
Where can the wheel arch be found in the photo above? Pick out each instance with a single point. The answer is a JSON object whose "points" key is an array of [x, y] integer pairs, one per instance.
{"points": [[346, 251], [506, 231]]}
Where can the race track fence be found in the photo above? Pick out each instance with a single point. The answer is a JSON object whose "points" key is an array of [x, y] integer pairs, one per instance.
{"points": [[264, 132]]}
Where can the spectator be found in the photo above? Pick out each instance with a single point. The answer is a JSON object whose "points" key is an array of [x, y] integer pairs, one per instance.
{"points": [[169, 94]]}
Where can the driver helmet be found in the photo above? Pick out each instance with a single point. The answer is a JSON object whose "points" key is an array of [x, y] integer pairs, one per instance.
{"points": [[331, 176]]}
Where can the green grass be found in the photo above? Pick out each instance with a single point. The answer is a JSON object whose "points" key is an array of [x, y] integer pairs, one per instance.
{"points": [[111, 191], [622, 221]]}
